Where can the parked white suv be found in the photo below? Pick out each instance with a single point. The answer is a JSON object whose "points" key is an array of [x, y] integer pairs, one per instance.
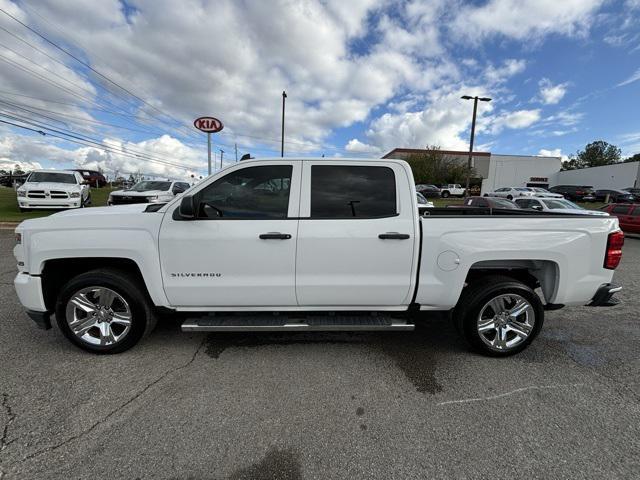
{"points": [[56, 189], [511, 192], [452, 190], [148, 191]]}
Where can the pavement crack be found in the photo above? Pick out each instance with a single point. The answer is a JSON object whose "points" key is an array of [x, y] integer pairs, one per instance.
{"points": [[115, 410], [4, 443], [509, 393]]}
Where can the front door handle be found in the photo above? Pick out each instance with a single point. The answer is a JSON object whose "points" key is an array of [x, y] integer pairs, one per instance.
{"points": [[275, 236], [394, 236]]}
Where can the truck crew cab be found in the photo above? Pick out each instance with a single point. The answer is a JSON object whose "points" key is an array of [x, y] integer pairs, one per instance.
{"points": [[328, 244]]}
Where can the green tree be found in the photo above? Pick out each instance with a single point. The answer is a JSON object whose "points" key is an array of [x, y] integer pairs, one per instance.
{"points": [[431, 166], [634, 158], [598, 153]]}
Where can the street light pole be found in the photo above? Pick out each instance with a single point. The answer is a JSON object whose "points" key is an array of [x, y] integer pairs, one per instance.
{"points": [[209, 150], [221, 154], [473, 133], [284, 95]]}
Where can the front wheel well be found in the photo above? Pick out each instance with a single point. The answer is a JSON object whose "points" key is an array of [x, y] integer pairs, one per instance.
{"points": [[57, 272]]}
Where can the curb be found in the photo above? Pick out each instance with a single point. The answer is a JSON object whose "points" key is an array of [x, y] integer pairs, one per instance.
{"points": [[8, 225]]}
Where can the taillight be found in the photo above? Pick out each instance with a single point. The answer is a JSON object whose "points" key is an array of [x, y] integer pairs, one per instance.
{"points": [[612, 257]]}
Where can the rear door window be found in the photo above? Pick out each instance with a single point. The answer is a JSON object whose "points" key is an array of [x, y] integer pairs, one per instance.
{"points": [[620, 209], [340, 191]]}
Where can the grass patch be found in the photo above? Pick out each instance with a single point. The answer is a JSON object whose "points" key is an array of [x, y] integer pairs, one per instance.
{"points": [[9, 211]]}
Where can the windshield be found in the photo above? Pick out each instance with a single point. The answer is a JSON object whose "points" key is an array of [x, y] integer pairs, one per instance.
{"points": [[55, 177], [500, 203], [523, 189], [150, 185], [560, 204], [421, 199], [538, 189]]}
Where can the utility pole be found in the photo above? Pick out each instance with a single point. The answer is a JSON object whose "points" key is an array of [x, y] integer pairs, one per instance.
{"points": [[209, 150], [221, 154], [236, 147], [473, 132], [284, 95]]}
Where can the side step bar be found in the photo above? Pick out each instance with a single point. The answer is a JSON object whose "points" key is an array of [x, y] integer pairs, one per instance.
{"points": [[271, 323]]}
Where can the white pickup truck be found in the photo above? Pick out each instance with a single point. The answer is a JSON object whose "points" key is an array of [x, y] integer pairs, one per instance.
{"points": [[313, 244]]}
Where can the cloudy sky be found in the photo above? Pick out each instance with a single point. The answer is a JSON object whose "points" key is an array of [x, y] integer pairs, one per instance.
{"points": [[117, 84]]}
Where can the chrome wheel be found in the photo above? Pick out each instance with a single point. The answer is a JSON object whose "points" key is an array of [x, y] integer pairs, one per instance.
{"points": [[98, 316], [506, 321]]}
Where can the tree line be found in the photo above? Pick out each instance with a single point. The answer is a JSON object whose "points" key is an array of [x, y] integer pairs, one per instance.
{"points": [[597, 154]]}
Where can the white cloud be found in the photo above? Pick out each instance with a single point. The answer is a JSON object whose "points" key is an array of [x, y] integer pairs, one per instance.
{"points": [[356, 146], [512, 120], [633, 78], [556, 152], [551, 94], [508, 69], [125, 157], [524, 19]]}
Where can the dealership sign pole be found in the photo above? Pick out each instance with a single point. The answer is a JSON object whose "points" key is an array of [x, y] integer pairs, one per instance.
{"points": [[208, 125]]}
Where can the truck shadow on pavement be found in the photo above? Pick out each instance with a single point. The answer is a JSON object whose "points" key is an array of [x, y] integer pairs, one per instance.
{"points": [[414, 353]]}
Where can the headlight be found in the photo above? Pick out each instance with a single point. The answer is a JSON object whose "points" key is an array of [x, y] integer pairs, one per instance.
{"points": [[75, 195], [22, 193], [152, 198]]}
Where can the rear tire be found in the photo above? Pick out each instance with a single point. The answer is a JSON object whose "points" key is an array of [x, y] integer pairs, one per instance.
{"points": [[499, 333], [509, 197], [111, 312], [445, 194]]}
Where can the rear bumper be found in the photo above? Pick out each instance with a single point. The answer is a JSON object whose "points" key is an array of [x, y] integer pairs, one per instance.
{"points": [[604, 297]]}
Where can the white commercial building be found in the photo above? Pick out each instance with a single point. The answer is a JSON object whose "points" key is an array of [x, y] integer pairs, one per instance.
{"points": [[617, 176]]}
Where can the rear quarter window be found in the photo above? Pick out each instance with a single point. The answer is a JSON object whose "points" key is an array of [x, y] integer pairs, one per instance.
{"points": [[620, 209]]}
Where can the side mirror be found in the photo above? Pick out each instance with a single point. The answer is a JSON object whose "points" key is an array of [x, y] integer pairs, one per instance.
{"points": [[187, 207]]}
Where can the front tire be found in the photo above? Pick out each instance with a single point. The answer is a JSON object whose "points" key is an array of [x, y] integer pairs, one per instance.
{"points": [[445, 194], [104, 311], [499, 316]]}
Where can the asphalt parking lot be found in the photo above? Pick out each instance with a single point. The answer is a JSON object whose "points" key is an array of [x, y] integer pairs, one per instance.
{"points": [[318, 406]]}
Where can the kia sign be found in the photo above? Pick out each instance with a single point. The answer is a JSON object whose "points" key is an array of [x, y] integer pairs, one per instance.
{"points": [[208, 124]]}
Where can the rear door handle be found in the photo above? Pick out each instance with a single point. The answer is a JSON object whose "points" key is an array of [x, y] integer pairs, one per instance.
{"points": [[275, 236], [394, 236]]}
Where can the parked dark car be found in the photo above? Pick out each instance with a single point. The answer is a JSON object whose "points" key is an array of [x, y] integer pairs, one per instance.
{"points": [[628, 215], [487, 202], [575, 193], [95, 178], [428, 191], [615, 196], [634, 191], [10, 180]]}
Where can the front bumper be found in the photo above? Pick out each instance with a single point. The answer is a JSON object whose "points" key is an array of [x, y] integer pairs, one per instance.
{"points": [[604, 296], [53, 203], [29, 290]]}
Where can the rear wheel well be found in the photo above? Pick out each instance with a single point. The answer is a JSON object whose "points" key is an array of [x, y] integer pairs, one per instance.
{"points": [[533, 273], [57, 272]]}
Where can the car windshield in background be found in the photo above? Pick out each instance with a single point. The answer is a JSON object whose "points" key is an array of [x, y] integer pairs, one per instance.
{"points": [[55, 177], [560, 204], [523, 189], [421, 199], [538, 189], [150, 185], [500, 203]]}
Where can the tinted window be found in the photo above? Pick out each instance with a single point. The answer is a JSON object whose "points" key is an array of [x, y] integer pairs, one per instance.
{"points": [[500, 203], [636, 212], [249, 193], [622, 209], [149, 185], [352, 191]]}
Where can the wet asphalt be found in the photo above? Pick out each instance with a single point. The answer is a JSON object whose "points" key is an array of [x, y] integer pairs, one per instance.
{"points": [[399, 405]]}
